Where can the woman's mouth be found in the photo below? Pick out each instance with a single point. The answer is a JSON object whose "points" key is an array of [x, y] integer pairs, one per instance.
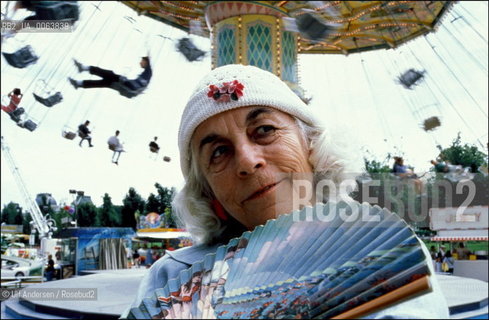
{"points": [[262, 192]]}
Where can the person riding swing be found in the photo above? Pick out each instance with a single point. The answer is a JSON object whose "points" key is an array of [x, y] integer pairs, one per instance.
{"points": [[116, 146], [126, 87], [84, 133]]}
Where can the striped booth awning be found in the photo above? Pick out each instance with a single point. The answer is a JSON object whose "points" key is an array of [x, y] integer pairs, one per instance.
{"points": [[461, 238]]}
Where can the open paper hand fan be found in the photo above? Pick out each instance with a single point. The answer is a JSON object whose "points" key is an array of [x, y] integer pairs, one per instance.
{"points": [[332, 260]]}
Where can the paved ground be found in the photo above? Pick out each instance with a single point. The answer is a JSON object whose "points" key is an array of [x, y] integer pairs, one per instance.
{"points": [[116, 289], [459, 291]]}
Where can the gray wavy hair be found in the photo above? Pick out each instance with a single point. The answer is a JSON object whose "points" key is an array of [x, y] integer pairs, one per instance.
{"points": [[192, 205]]}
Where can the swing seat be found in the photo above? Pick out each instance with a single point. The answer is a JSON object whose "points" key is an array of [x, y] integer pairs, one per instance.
{"points": [[410, 78], [49, 101], [112, 147], [189, 50], [15, 115], [126, 91], [431, 123], [70, 135], [18, 111], [21, 58], [312, 28], [82, 135], [29, 125], [153, 149], [57, 10]]}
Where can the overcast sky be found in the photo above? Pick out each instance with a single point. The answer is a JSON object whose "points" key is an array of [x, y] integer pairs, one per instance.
{"points": [[356, 96]]}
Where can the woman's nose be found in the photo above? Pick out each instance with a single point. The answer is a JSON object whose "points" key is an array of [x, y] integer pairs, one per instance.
{"points": [[249, 158]]}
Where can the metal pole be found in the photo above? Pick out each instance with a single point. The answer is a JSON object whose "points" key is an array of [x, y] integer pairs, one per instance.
{"points": [[76, 193]]}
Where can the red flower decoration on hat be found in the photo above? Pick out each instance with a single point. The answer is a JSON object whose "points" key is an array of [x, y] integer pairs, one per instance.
{"points": [[227, 92]]}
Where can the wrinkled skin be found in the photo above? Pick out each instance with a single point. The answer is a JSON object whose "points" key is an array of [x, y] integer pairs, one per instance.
{"points": [[249, 157]]}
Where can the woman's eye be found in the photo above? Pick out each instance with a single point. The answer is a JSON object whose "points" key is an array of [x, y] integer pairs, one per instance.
{"points": [[219, 151], [264, 131]]}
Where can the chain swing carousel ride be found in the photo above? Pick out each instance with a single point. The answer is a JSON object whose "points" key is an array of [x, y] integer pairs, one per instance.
{"points": [[271, 35]]}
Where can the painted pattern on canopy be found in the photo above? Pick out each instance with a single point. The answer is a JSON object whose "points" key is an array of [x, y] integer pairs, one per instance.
{"points": [[358, 25]]}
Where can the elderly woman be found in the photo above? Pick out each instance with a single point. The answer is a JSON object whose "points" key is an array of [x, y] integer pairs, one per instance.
{"points": [[244, 137]]}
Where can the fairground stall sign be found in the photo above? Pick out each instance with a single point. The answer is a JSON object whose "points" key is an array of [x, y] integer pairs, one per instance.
{"points": [[11, 228], [460, 224]]}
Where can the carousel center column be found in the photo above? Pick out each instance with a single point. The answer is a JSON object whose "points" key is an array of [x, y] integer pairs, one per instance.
{"points": [[253, 33]]}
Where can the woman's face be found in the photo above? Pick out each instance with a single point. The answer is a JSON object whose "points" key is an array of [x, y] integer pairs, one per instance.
{"points": [[249, 157]]}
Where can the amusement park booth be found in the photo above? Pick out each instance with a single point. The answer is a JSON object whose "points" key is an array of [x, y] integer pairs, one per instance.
{"points": [[166, 238], [153, 230], [99, 248], [463, 224]]}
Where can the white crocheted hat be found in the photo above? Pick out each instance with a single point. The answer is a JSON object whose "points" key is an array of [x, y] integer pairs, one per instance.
{"points": [[233, 86]]}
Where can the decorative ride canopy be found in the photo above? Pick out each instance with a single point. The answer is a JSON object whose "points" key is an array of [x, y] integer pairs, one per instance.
{"points": [[254, 32]]}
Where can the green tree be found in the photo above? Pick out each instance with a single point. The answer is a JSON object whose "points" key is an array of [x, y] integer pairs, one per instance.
{"points": [[165, 196], [26, 226], [374, 166], [87, 215], [131, 203], [12, 213], [19, 217], [153, 204], [6, 212], [465, 155], [169, 219], [108, 214], [118, 212]]}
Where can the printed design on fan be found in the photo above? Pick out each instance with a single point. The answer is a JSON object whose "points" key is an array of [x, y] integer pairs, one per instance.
{"points": [[298, 266]]}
